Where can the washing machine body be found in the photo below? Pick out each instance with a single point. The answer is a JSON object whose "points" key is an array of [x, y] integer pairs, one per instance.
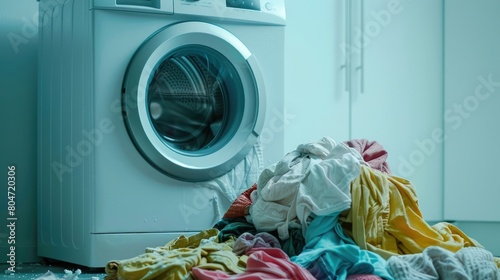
{"points": [[143, 106]]}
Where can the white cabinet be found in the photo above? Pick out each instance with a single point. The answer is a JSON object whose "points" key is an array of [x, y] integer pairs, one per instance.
{"points": [[471, 111], [392, 72]]}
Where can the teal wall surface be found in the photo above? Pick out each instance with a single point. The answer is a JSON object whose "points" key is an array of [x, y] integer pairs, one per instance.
{"points": [[18, 72]]}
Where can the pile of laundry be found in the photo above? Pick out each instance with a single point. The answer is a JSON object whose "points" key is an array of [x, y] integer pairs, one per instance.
{"points": [[327, 210]]}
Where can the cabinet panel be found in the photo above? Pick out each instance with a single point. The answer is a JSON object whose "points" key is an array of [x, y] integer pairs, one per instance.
{"points": [[397, 89], [315, 102], [471, 115]]}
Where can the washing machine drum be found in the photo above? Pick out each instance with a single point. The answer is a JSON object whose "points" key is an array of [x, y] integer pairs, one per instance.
{"points": [[193, 101], [186, 102]]}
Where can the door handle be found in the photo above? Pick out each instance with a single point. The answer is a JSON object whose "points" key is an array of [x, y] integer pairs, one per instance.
{"points": [[361, 65], [347, 37]]}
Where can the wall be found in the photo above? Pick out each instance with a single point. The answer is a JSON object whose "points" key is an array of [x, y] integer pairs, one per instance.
{"points": [[18, 67]]}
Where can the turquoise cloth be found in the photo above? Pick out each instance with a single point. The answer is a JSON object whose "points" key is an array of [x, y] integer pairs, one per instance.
{"points": [[330, 254]]}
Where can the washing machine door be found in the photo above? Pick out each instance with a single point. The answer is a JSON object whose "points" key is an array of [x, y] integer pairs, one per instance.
{"points": [[193, 101]]}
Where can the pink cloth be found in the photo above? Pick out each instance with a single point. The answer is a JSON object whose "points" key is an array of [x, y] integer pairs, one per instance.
{"points": [[263, 263], [372, 152]]}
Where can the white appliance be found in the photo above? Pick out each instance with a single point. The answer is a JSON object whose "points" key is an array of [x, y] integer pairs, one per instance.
{"points": [[143, 104]]}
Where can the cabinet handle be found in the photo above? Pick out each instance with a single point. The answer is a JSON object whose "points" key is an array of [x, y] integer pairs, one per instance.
{"points": [[347, 58], [360, 68], [346, 47]]}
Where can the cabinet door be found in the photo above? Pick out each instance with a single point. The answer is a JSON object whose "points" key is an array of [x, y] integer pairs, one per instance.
{"points": [[397, 89], [315, 102], [471, 111]]}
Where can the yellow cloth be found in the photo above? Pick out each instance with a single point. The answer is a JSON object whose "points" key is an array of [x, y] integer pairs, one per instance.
{"points": [[192, 241], [385, 218], [175, 260]]}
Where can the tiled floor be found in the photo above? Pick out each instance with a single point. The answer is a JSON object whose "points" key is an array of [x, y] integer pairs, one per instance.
{"points": [[35, 270]]}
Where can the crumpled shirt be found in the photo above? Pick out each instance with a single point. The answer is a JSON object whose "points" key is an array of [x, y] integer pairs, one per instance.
{"points": [[313, 179], [175, 260]]}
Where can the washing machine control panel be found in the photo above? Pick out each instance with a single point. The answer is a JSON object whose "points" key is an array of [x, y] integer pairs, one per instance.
{"points": [[244, 4], [258, 11]]}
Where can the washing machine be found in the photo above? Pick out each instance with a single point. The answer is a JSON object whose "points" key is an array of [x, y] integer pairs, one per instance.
{"points": [[153, 115]]}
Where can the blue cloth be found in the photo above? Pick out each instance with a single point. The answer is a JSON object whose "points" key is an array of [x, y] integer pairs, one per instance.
{"points": [[331, 254]]}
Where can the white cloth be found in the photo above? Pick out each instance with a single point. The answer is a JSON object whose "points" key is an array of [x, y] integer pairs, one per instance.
{"points": [[313, 179], [478, 263], [470, 263], [241, 177]]}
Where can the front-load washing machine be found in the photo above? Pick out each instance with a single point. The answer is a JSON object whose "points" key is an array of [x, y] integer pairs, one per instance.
{"points": [[150, 113]]}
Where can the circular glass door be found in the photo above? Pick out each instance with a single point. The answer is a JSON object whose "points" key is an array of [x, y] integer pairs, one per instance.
{"points": [[189, 101], [193, 101]]}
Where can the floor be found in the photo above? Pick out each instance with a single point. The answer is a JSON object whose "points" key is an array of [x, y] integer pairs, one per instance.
{"points": [[59, 270]]}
